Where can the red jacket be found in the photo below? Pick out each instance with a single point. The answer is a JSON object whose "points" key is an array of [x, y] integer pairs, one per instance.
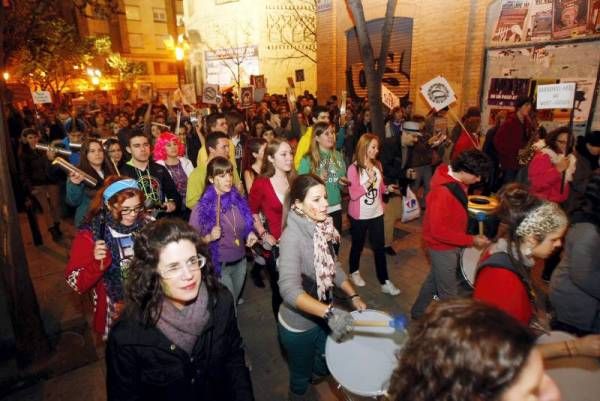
{"points": [[83, 274], [445, 221], [503, 289], [545, 179], [262, 198], [511, 136]]}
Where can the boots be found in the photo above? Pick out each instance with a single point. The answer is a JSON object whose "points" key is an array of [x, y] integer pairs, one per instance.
{"points": [[256, 276], [55, 232]]}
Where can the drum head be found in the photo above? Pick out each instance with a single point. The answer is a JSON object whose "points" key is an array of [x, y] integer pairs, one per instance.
{"points": [[469, 259], [364, 363]]}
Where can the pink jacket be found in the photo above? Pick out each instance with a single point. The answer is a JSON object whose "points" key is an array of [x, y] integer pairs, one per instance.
{"points": [[357, 191], [545, 179]]}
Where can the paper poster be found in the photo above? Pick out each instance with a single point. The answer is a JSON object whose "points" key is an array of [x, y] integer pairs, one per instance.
{"points": [[247, 97], [569, 18], [594, 16], [258, 81], [438, 93], [210, 94], [557, 96], [504, 91], [540, 20], [41, 97], [511, 23], [584, 93], [388, 98], [299, 75]]}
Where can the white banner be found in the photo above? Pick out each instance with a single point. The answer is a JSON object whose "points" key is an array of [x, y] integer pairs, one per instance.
{"points": [[438, 93], [388, 98], [41, 97], [557, 96]]}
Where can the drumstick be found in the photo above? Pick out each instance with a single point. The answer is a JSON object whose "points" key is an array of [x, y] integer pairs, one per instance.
{"points": [[480, 219], [398, 323]]}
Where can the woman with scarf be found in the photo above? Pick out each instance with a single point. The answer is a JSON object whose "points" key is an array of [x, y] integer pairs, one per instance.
{"points": [[178, 338], [101, 251], [307, 274], [94, 163], [223, 219]]}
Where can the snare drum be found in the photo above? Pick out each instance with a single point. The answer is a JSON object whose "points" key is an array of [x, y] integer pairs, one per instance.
{"points": [[363, 364], [482, 215], [469, 260]]}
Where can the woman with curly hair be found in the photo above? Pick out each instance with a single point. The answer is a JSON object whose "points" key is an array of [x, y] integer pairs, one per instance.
{"points": [[223, 219], [464, 350], [178, 338], [169, 152], [102, 249]]}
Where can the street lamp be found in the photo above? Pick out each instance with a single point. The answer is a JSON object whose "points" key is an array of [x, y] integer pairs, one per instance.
{"points": [[179, 47], [6, 75], [95, 75]]}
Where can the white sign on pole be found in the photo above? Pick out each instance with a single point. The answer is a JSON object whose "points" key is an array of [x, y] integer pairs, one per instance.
{"points": [[41, 97], [438, 93], [556, 96], [388, 98]]}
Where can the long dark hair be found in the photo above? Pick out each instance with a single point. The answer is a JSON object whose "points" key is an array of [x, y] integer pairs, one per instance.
{"points": [[84, 163], [143, 290], [461, 350]]}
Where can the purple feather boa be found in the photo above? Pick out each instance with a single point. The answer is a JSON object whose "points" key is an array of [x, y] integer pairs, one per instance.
{"points": [[207, 217]]}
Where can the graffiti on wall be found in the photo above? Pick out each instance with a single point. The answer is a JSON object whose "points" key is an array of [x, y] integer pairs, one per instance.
{"points": [[397, 72]]}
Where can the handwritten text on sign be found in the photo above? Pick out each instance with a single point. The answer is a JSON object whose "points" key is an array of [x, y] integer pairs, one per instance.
{"points": [[557, 96], [41, 97]]}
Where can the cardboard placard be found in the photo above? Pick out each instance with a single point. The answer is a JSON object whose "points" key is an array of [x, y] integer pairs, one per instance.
{"points": [[41, 97], [299, 75], [557, 96], [438, 93], [247, 97], [258, 81], [388, 98]]}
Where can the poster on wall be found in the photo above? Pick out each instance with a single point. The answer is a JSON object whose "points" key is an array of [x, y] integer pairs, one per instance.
{"points": [[570, 18], [540, 20], [594, 19], [584, 93], [504, 91], [511, 23]]}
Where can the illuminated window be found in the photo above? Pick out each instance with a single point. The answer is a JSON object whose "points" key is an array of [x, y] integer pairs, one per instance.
{"points": [[136, 40], [160, 14], [159, 41], [132, 13]]}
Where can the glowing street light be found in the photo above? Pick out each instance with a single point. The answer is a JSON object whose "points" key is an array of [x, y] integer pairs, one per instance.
{"points": [[6, 75], [179, 53]]}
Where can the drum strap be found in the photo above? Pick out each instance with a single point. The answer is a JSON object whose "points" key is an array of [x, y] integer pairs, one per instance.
{"points": [[458, 193], [502, 260]]}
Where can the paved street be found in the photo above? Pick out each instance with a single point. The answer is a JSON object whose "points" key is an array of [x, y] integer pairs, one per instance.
{"points": [[78, 367]]}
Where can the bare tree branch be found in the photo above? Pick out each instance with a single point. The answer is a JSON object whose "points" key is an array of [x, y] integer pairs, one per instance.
{"points": [[299, 50], [302, 19], [386, 35]]}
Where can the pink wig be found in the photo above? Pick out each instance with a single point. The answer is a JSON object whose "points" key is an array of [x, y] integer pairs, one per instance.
{"points": [[159, 152]]}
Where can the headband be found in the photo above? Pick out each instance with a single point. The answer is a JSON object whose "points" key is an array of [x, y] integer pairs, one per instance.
{"points": [[542, 220], [119, 186]]}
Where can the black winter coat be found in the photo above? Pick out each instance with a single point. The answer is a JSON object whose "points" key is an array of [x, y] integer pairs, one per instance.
{"points": [[143, 364]]}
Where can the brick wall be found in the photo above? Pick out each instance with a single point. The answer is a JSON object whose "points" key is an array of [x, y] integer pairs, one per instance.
{"points": [[448, 40]]}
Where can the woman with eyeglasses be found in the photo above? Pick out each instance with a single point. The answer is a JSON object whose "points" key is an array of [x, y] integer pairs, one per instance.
{"points": [[102, 249], [95, 163], [178, 337], [365, 209], [112, 147], [223, 219], [324, 161]]}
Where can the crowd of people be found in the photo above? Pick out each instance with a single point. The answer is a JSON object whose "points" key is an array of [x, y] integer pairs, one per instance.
{"points": [[174, 205]]}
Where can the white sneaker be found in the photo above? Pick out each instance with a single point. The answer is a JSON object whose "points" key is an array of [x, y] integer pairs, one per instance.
{"points": [[389, 288], [357, 279]]}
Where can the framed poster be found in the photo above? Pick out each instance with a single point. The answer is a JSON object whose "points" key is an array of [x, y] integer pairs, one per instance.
{"points": [[504, 91], [511, 22]]}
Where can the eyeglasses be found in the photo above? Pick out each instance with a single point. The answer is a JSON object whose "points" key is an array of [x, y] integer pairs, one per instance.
{"points": [[128, 210], [193, 264]]}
